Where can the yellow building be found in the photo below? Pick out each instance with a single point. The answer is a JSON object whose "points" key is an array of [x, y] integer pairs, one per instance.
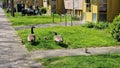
{"points": [[100, 10], [74, 7], [56, 6], [88, 10]]}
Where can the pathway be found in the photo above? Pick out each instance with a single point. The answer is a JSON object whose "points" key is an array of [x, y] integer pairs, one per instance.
{"points": [[48, 25], [12, 52], [74, 52]]}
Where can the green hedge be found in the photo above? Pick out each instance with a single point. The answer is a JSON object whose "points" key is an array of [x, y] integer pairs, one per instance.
{"points": [[98, 25], [116, 28]]}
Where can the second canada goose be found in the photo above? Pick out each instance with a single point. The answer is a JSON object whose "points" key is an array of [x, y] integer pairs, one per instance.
{"points": [[57, 38], [31, 37], [86, 51]]}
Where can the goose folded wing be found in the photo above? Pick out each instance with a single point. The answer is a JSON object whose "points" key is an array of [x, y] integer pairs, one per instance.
{"points": [[58, 38], [31, 37]]}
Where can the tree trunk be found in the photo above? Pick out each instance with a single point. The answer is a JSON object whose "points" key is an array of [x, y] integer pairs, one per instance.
{"points": [[12, 8]]}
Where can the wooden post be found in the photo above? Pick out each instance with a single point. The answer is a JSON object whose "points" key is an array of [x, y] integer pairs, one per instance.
{"points": [[53, 17], [12, 8], [71, 21], [65, 20], [60, 17]]}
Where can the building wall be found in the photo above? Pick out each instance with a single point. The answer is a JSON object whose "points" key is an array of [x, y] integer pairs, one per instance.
{"points": [[57, 5], [29, 2], [60, 6], [113, 9], [74, 7], [77, 12], [88, 15], [40, 3]]}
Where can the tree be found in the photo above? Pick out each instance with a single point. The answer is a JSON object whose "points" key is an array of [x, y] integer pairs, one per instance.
{"points": [[12, 8]]}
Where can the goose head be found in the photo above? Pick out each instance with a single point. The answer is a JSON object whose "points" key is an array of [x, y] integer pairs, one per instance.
{"points": [[55, 33]]}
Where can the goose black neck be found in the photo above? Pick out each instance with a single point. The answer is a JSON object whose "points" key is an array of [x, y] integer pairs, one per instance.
{"points": [[32, 32], [55, 33]]}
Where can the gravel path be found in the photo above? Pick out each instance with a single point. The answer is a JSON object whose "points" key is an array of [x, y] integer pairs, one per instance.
{"points": [[12, 52], [48, 25], [74, 52]]}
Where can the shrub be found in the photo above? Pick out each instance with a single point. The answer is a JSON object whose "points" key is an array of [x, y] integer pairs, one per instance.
{"points": [[76, 18], [89, 25], [116, 19], [43, 10], [115, 32], [101, 25]]}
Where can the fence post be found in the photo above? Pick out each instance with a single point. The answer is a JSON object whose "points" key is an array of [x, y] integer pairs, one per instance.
{"points": [[65, 20], [12, 8], [53, 17], [60, 18], [71, 21]]}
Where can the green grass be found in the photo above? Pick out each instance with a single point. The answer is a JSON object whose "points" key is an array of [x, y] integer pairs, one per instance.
{"points": [[74, 37], [20, 20], [96, 61]]}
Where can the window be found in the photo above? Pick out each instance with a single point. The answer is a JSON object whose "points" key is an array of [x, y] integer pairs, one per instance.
{"points": [[102, 17], [103, 7], [103, 1], [88, 6], [87, 1], [94, 17]]}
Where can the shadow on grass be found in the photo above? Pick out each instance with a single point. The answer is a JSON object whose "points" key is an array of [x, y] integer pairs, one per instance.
{"points": [[63, 45], [35, 43]]}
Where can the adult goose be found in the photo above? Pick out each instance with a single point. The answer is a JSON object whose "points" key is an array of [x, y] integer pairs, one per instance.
{"points": [[57, 38], [31, 37]]}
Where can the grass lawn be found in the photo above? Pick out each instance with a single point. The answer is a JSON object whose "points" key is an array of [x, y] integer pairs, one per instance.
{"points": [[96, 61], [20, 20], [74, 37]]}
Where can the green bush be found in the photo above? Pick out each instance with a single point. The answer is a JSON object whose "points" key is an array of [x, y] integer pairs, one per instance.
{"points": [[43, 10], [101, 25], [89, 25], [117, 18], [116, 31], [76, 18], [115, 28]]}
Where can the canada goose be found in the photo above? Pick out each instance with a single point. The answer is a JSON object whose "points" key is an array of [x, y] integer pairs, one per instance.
{"points": [[31, 37], [58, 38], [86, 50]]}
